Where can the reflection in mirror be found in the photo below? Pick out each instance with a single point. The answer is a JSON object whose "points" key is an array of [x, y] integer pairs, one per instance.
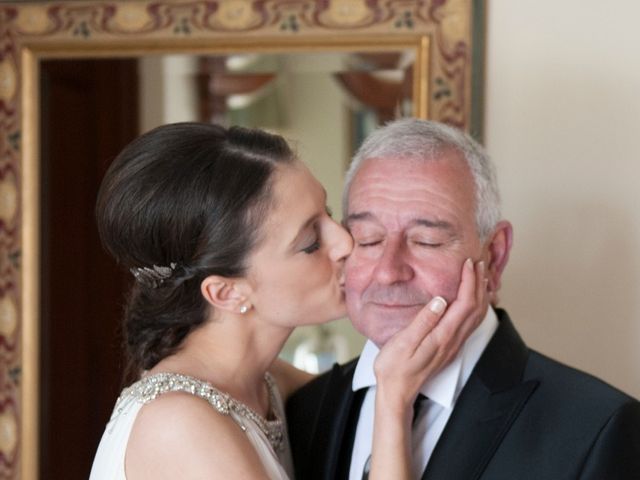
{"points": [[282, 93], [324, 103]]}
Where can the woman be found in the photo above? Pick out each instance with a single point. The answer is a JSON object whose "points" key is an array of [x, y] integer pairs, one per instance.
{"points": [[229, 239]]}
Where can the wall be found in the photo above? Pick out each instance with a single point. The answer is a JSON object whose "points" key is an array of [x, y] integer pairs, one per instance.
{"points": [[563, 123]]}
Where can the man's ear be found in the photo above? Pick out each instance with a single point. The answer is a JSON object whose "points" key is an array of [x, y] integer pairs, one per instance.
{"points": [[498, 248], [224, 293]]}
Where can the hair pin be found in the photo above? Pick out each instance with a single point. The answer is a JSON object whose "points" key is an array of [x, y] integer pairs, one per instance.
{"points": [[154, 276]]}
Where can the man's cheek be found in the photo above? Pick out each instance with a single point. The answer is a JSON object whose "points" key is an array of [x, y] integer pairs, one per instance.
{"points": [[444, 283], [450, 289], [355, 275], [353, 264], [352, 299]]}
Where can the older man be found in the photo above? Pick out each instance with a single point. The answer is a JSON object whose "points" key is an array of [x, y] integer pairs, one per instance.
{"points": [[420, 198]]}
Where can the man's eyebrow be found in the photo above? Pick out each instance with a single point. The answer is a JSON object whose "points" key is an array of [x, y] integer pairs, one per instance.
{"points": [[440, 224], [421, 222], [359, 216]]}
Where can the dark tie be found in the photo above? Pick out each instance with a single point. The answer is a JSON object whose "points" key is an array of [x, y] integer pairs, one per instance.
{"points": [[417, 407]]}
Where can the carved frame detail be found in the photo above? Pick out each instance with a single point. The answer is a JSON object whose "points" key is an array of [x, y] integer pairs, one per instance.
{"points": [[446, 35]]}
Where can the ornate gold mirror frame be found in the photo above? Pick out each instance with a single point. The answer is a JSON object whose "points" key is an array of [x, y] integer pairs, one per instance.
{"points": [[446, 36]]}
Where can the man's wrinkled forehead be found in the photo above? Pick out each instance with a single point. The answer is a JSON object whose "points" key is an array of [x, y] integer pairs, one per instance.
{"points": [[384, 169]]}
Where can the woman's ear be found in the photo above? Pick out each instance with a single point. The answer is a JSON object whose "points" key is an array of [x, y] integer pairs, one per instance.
{"points": [[498, 247], [225, 293]]}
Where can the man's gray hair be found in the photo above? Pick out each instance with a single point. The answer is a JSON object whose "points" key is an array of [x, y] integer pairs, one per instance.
{"points": [[415, 139]]}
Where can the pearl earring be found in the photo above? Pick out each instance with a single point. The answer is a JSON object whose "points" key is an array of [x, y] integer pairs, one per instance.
{"points": [[244, 309]]}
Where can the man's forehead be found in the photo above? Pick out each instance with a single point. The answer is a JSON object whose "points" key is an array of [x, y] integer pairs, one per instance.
{"points": [[424, 192], [402, 178], [398, 168]]}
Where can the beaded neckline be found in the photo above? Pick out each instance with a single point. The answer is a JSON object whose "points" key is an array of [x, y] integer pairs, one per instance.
{"points": [[149, 388]]}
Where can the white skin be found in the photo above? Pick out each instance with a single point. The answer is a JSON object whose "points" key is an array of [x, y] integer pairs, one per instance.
{"points": [[415, 238], [295, 277]]}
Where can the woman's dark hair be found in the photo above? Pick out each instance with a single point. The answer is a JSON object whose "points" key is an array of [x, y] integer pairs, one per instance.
{"points": [[189, 196]]}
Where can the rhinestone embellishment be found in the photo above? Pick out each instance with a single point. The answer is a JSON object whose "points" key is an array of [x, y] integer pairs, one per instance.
{"points": [[149, 388]]}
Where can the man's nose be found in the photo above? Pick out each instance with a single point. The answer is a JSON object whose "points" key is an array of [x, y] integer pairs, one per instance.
{"points": [[393, 266]]}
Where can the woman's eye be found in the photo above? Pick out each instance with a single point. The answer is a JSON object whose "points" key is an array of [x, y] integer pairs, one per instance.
{"points": [[312, 248]]}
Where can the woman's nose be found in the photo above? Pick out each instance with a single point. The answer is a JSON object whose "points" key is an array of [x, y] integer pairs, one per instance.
{"points": [[342, 244]]}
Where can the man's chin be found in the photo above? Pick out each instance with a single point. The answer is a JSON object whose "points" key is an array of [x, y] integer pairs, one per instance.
{"points": [[379, 329]]}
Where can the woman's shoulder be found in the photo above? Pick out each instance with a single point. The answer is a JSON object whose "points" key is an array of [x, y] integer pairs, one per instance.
{"points": [[180, 413], [180, 434]]}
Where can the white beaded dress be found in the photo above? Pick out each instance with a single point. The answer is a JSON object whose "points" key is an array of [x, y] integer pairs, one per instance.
{"points": [[268, 437]]}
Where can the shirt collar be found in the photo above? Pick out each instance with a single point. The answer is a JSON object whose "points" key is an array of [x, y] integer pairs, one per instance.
{"points": [[444, 387]]}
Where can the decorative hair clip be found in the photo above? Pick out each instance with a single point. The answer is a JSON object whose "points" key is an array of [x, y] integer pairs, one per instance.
{"points": [[154, 276]]}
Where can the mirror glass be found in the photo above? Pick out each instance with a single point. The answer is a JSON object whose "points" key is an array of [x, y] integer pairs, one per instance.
{"points": [[324, 103]]}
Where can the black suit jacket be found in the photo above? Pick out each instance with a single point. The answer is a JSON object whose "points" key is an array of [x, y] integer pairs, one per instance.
{"points": [[520, 416]]}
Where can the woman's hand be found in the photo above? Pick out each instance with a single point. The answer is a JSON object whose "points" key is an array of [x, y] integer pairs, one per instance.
{"points": [[432, 339], [413, 355]]}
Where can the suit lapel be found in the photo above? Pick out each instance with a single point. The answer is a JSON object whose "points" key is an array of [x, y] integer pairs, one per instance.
{"points": [[335, 429], [489, 403]]}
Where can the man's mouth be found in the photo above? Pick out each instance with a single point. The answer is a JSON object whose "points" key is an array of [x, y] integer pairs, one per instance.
{"points": [[397, 305]]}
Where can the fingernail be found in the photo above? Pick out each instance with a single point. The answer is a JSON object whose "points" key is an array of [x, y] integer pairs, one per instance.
{"points": [[481, 265], [468, 264], [437, 305]]}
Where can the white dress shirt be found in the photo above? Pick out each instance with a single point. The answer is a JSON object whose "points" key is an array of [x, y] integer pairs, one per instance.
{"points": [[441, 390]]}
